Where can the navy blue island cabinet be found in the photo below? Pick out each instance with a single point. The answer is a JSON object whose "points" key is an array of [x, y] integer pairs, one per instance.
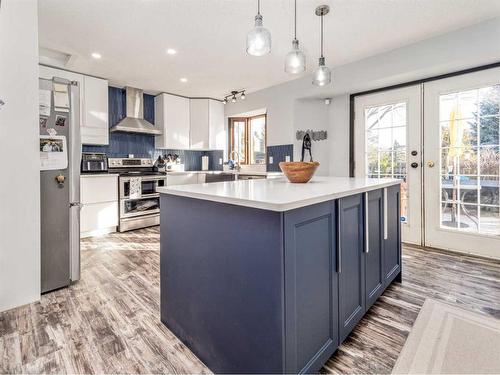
{"points": [[250, 290]]}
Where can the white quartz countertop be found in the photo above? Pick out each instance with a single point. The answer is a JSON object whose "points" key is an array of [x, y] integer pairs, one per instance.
{"points": [[278, 194], [243, 173]]}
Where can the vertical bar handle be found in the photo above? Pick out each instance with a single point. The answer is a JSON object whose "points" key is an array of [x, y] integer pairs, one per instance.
{"points": [[367, 227], [385, 214], [339, 244]]}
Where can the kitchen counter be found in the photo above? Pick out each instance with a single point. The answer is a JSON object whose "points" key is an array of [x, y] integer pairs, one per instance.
{"points": [[278, 194], [265, 276]]}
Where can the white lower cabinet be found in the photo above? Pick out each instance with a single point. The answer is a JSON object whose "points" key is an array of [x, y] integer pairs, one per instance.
{"points": [[98, 218], [99, 200]]}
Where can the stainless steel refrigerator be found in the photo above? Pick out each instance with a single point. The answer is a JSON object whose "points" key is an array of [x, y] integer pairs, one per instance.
{"points": [[60, 154]]}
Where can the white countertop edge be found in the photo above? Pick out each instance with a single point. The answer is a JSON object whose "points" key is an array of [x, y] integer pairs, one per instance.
{"points": [[244, 173], [278, 207], [99, 175]]}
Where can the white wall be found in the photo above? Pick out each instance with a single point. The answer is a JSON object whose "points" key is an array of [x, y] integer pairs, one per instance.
{"points": [[312, 114], [279, 102], [468, 47], [19, 187]]}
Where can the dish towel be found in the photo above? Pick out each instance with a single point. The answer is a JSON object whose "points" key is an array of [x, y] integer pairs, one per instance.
{"points": [[135, 188]]}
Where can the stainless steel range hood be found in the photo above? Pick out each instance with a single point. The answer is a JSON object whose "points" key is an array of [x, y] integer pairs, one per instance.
{"points": [[134, 122]]}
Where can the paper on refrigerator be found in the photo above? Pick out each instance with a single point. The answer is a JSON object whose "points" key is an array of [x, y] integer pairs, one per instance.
{"points": [[45, 101], [61, 97]]}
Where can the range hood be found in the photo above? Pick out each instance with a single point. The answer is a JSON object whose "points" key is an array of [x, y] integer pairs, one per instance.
{"points": [[134, 122]]}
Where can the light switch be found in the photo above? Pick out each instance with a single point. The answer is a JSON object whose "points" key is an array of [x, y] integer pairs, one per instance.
{"points": [[220, 161], [287, 158], [270, 160]]}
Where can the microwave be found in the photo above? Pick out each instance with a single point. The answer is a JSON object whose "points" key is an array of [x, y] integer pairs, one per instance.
{"points": [[94, 162]]}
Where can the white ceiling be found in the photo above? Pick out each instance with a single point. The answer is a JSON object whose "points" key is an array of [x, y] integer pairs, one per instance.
{"points": [[132, 36]]}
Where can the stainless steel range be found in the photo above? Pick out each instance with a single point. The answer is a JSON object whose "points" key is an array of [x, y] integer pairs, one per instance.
{"points": [[139, 199]]}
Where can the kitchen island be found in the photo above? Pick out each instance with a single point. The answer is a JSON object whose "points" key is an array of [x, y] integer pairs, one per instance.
{"points": [[265, 276]]}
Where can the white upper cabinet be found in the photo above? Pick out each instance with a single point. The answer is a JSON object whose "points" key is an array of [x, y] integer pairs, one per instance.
{"points": [[93, 104], [199, 133], [49, 73], [172, 117], [95, 128], [217, 132], [207, 124]]}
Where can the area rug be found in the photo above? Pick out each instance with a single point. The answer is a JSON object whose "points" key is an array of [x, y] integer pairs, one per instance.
{"points": [[449, 340]]}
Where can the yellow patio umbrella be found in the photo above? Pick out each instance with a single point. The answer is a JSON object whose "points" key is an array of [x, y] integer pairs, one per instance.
{"points": [[456, 134], [455, 151]]}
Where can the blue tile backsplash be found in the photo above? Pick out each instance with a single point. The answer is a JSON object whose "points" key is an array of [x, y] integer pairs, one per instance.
{"points": [[278, 153], [143, 145]]}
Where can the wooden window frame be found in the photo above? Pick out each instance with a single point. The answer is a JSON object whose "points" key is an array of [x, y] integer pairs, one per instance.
{"points": [[247, 121]]}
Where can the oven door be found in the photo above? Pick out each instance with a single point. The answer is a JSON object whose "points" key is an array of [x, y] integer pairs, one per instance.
{"points": [[139, 207], [148, 187]]}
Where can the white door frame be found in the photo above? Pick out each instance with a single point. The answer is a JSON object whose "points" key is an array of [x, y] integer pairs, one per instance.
{"points": [[412, 95], [435, 236]]}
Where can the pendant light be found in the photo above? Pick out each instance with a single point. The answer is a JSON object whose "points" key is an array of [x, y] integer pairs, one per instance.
{"points": [[295, 60], [258, 39], [322, 76]]}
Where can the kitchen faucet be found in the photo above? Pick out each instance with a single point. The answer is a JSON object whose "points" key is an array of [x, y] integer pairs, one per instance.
{"points": [[237, 165]]}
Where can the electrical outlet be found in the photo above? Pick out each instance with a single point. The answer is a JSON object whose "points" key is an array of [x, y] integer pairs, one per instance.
{"points": [[271, 160], [220, 161], [287, 158]]}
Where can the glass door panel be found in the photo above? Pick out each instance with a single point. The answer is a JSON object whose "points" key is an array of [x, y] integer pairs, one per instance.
{"points": [[462, 141], [387, 144], [386, 130]]}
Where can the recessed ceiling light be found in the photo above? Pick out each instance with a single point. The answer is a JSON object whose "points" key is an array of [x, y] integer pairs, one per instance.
{"points": [[171, 51], [96, 55], [183, 80]]}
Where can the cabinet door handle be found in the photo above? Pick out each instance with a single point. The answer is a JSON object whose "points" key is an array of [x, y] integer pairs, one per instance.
{"points": [[339, 252], [385, 214], [367, 228]]}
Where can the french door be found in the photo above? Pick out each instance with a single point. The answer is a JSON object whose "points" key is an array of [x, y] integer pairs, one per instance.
{"points": [[442, 139], [461, 169], [388, 144]]}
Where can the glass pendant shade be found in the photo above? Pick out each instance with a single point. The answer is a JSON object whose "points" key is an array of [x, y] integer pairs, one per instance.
{"points": [[295, 60], [258, 39], [322, 76]]}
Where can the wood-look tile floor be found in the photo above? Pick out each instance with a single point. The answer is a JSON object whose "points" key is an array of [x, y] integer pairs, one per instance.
{"points": [[109, 321]]}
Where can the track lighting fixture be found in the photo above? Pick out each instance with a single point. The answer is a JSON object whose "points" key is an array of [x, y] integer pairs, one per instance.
{"points": [[233, 96]]}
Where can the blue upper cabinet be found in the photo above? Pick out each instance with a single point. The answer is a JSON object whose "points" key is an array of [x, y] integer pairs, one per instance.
{"points": [[352, 266], [311, 321]]}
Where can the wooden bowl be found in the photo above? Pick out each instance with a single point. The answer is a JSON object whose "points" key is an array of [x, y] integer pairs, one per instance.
{"points": [[299, 171]]}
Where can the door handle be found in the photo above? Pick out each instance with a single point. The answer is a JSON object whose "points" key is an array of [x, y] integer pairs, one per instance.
{"points": [[367, 239], [385, 214], [339, 252], [414, 165], [430, 164]]}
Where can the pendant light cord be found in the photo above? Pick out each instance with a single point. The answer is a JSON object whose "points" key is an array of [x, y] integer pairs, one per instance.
{"points": [[295, 22], [321, 35], [258, 7]]}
